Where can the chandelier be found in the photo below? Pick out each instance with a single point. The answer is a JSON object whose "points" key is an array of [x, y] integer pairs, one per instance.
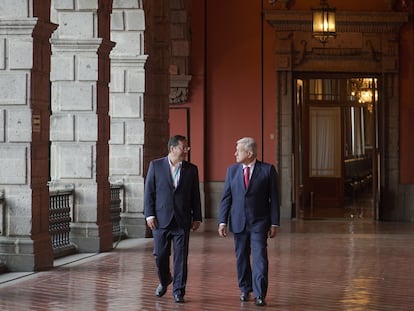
{"points": [[364, 91]]}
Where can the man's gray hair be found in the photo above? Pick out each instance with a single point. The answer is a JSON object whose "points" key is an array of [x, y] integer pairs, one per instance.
{"points": [[249, 144]]}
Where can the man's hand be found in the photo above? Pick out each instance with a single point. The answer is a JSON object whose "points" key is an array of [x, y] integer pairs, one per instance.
{"points": [[222, 230], [195, 225], [272, 231], [152, 223]]}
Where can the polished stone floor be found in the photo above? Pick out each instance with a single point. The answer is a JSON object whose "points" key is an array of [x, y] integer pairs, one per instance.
{"points": [[348, 264]]}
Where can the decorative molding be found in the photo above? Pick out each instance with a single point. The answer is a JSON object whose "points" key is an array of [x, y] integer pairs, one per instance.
{"points": [[366, 41], [345, 21], [17, 26], [128, 61], [179, 85], [71, 45], [284, 4]]}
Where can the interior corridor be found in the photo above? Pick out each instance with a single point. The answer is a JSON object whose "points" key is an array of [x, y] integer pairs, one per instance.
{"points": [[352, 264]]}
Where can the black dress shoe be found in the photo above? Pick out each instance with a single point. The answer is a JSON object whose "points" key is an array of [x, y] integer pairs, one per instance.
{"points": [[178, 298], [259, 301], [245, 296], [162, 289]]}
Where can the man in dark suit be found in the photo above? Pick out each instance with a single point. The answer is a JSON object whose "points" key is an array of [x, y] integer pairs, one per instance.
{"points": [[172, 207], [250, 204]]}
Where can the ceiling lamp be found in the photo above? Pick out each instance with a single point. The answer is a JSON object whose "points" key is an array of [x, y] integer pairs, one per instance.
{"points": [[324, 22]]}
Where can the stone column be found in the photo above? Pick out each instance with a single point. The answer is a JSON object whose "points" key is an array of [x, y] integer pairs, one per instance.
{"points": [[24, 134], [80, 116], [157, 79], [127, 111]]}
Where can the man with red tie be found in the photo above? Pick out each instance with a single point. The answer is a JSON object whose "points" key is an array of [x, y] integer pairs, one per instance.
{"points": [[250, 205]]}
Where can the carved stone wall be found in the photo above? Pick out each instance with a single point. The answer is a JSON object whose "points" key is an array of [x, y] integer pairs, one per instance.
{"points": [[365, 42]]}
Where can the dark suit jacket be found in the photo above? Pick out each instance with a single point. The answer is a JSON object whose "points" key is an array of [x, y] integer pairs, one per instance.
{"points": [[164, 202], [257, 206]]}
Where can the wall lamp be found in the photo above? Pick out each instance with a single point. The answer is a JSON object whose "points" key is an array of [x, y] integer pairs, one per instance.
{"points": [[324, 22]]}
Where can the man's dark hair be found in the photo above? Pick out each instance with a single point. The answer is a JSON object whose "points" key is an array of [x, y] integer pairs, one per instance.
{"points": [[175, 140]]}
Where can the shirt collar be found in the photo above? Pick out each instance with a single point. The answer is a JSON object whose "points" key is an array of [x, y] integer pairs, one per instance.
{"points": [[251, 164], [172, 165]]}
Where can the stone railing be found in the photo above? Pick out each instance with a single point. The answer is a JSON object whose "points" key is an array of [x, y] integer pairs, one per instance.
{"points": [[117, 201], [61, 203], [60, 217]]}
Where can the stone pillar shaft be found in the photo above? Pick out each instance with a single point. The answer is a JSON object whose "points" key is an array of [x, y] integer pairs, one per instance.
{"points": [[127, 111], [80, 121], [24, 139]]}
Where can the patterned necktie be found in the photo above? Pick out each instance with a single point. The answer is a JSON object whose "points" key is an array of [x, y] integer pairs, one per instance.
{"points": [[246, 176]]}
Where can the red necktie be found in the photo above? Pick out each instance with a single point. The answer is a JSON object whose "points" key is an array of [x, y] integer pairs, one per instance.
{"points": [[246, 176]]}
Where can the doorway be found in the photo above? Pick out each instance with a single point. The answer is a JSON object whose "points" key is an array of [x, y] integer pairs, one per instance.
{"points": [[335, 156]]}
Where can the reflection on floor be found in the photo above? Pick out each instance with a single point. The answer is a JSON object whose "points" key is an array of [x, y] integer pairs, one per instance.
{"points": [[325, 265], [360, 206]]}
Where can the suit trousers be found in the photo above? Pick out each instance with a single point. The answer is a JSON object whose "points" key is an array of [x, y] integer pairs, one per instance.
{"points": [[252, 276], [179, 238]]}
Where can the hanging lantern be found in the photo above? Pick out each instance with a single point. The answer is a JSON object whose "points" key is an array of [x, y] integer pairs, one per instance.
{"points": [[324, 27]]}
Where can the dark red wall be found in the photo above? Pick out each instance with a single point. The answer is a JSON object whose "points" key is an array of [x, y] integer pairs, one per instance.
{"points": [[233, 86], [188, 118], [234, 80], [407, 106]]}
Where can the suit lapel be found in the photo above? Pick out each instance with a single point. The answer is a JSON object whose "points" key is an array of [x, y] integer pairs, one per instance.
{"points": [[241, 177], [256, 170], [167, 169], [255, 174], [183, 173]]}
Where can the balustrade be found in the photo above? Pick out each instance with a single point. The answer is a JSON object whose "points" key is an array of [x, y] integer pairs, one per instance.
{"points": [[116, 209], [60, 217]]}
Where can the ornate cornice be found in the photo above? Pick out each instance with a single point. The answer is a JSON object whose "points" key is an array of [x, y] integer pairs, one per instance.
{"points": [[72, 45], [18, 26], [128, 60], [374, 22]]}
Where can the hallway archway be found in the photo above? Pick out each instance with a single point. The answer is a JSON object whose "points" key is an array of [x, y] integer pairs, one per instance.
{"points": [[335, 156], [366, 46]]}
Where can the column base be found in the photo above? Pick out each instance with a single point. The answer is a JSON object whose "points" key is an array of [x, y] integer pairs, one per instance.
{"points": [[133, 224]]}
